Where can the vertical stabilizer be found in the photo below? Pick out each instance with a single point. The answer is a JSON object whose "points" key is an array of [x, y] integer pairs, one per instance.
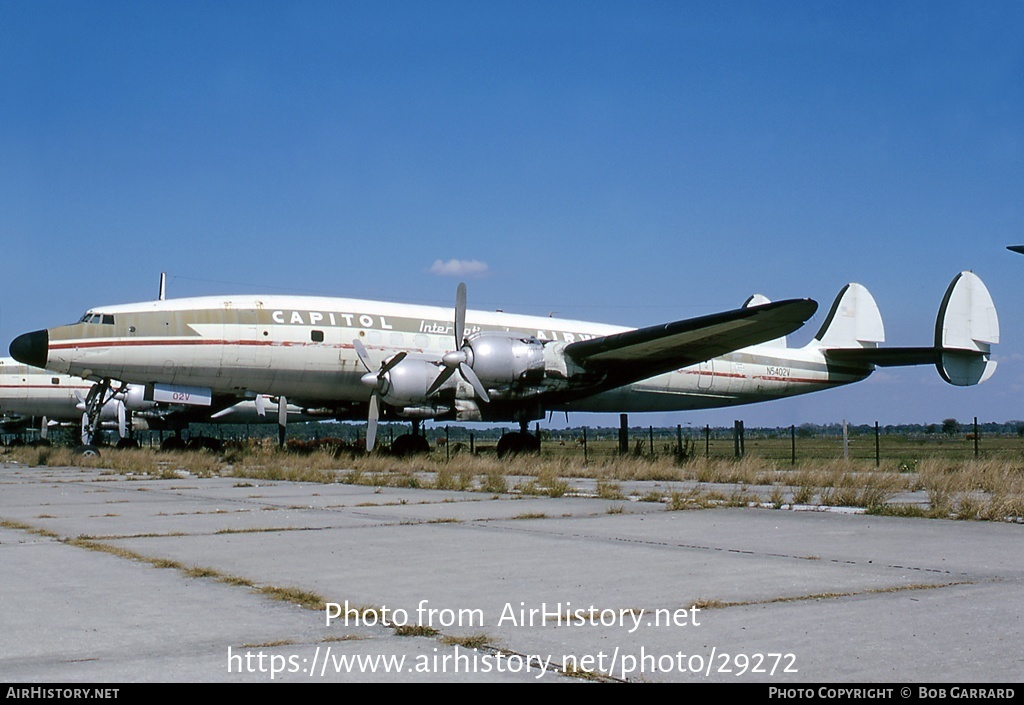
{"points": [[965, 329], [853, 322], [761, 300]]}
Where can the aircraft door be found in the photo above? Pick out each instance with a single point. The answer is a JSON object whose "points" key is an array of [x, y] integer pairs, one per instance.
{"points": [[706, 374], [253, 348]]}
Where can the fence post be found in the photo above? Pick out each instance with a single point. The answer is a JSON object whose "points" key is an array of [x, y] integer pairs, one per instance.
{"points": [[878, 453], [846, 441]]}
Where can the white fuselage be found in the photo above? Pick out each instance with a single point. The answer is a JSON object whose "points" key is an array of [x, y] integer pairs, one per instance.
{"points": [[302, 348], [29, 391]]}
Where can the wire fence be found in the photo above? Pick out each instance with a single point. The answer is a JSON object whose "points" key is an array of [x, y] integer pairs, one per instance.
{"points": [[779, 445]]}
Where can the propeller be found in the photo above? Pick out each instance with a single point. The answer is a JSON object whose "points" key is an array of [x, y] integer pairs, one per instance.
{"points": [[459, 359], [378, 382], [282, 419], [122, 419]]}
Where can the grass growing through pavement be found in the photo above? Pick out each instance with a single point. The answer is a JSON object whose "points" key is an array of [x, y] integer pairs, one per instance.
{"points": [[982, 489]]}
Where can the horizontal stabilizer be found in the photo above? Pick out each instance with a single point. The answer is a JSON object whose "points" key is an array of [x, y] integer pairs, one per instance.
{"points": [[965, 329]]}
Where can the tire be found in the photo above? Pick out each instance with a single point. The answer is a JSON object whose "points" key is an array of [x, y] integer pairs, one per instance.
{"points": [[408, 444], [87, 451], [173, 443], [517, 443]]}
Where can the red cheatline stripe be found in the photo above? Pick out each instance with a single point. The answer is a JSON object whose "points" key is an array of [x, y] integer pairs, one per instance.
{"points": [[177, 341]]}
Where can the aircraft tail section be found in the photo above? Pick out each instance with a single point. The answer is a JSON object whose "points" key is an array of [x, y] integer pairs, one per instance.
{"points": [[760, 300], [853, 321], [966, 328]]}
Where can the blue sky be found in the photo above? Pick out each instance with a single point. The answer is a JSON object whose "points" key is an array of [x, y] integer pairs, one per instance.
{"points": [[624, 162]]}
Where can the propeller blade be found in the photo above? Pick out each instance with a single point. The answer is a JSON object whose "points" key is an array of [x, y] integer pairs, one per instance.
{"points": [[364, 356], [282, 419], [282, 411], [44, 429], [85, 429], [460, 314], [441, 379], [261, 405], [470, 376], [390, 364], [371, 423], [122, 421]]}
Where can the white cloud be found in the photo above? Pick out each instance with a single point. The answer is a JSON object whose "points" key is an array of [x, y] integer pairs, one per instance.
{"points": [[459, 268]]}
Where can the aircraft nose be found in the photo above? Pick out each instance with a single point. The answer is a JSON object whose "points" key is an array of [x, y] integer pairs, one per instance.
{"points": [[31, 348]]}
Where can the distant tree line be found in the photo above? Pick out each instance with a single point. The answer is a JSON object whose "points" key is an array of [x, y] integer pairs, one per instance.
{"points": [[352, 432]]}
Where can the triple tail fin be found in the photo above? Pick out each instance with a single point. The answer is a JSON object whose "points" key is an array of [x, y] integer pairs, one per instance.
{"points": [[965, 331], [966, 328], [853, 322]]}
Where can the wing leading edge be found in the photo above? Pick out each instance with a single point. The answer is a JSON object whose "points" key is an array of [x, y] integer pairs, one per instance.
{"points": [[645, 352]]}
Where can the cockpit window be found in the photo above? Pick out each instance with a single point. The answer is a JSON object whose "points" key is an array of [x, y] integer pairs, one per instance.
{"points": [[105, 318]]}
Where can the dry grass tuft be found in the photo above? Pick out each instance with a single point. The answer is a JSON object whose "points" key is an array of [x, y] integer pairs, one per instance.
{"points": [[985, 490]]}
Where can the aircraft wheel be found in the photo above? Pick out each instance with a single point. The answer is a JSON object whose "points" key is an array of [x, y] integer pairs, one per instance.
{"points": [[203, 443], [408, 444], [173, 443], [88, 451], [516, 443]]}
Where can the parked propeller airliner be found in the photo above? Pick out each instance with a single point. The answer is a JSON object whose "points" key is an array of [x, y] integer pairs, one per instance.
{"points": [[53, 398], [352, 359]]}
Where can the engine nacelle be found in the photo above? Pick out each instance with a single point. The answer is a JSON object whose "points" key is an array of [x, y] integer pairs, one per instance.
{"points": [[135, 398], [178, 394], [500, 359], [407, 382]]}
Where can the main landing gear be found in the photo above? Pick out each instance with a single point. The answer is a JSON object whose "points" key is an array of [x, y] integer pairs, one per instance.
{"points": [[519, 442], [414, 443]]}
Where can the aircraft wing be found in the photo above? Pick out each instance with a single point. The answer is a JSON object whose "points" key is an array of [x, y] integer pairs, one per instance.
{"points": [[645, 352]]}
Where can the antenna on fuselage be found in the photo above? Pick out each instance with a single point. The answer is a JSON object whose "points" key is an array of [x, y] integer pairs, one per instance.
{"points": [[163, 285]]}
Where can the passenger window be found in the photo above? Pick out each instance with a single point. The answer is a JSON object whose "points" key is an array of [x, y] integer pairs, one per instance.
{"points": [[317, 336]]}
